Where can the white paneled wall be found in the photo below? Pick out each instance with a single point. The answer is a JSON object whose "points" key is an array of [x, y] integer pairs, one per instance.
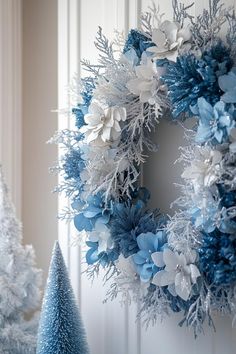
{"points": [[39, 98], [112, 329]]}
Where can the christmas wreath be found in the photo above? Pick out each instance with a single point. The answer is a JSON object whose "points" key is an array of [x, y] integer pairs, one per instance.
{"points": [[181, 68]]}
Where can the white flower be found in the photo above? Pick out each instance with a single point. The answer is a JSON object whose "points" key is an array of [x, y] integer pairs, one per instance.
{"points": [[128, 279], [205, 169], [126, 266], [103, 125], [168, 38], [102, 235], [146, 84], [180, 272]]}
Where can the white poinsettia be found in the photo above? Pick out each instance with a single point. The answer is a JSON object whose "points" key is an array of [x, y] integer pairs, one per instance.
{"points": [[205, 169], [102, 235], [128, 279], [146, 83], [179, 274], [103, 125], [168, 39], [126, 266]]}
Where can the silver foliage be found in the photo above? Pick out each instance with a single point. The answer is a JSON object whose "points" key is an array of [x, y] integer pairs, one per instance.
{"points": [[19, 283]]}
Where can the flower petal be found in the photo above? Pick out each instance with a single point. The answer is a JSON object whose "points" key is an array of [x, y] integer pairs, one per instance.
{"points": [[92, 136], [185, 33], [133, 86], [170, 29], [92, 119], [139, 258], [183, 286], [146, 241], [145, 96], [144, 72], [158, 37], [163, 278], [126, 265], [205, 110], [194, 273], [157, 258], [227, 82], [106, 134], [82, 223], [170, 259], [230, 96], [171, 289]]}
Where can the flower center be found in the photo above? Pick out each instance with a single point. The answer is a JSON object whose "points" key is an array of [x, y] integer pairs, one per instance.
{"points": [[178, 268]]}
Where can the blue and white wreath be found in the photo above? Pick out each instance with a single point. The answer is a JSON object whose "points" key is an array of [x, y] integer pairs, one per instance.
{"points": [[180, 68]]}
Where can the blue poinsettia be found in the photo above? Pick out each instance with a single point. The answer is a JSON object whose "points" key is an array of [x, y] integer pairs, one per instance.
{"points": [[227, 84], [148, 244], [204, 220], [104, 258], [128, 222], [137, 41], [95, 210], [204, 211], [215, 122]]}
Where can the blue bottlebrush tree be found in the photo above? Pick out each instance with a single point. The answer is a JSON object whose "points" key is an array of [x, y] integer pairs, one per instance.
{"points": [[61, 329]]}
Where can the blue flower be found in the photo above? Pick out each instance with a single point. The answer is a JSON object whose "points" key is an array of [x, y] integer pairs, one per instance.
{"points": [[215, 123], [128, 221], [190, 78], [227, 84], [87, 94], [217, 258], [104, 258], [148, 244], [204, 220], [138, 41], [204, 211], [227, 202], [95, 210]]}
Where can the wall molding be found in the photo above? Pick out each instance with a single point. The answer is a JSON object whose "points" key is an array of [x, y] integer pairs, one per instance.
{"points": [[11, 95]]}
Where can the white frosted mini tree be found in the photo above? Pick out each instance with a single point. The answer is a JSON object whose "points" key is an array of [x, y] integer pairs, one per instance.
{"points": [[19, 283]]}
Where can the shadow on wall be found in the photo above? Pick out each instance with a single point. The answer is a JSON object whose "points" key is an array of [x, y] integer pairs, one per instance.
{"points": [[161, 171]]}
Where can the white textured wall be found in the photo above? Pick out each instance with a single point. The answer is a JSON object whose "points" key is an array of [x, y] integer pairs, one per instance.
{"points": [[39, 205], [111, 329]]}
